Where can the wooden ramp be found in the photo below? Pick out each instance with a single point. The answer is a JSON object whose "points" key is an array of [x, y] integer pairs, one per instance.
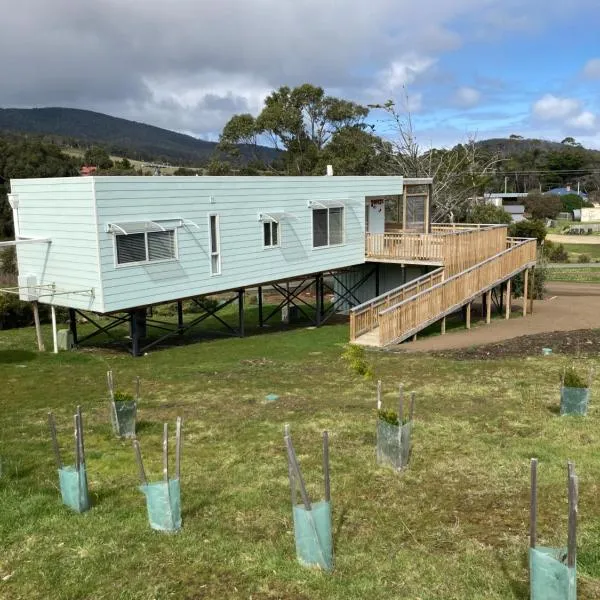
{"points": [[403, 312]]}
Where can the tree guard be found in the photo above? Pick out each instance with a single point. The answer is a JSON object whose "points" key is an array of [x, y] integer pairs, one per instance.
{"points": [[553, 571], [394, 432], [163, 498], [72, 478], [312, 521]]}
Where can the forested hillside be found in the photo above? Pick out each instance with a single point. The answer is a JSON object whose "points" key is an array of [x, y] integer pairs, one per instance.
{"points": [[82, 128]]}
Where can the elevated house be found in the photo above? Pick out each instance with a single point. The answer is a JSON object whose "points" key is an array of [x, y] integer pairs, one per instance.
{"points": [[117, 246]]}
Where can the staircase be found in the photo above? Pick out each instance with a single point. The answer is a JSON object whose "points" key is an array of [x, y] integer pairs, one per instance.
{"points": [[404, 311]]}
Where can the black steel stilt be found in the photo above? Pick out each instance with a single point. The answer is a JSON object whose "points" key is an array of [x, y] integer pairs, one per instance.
{"points": [[318, 286], [135, 334], [179, 315], [377, 280], [260, 306], [73, 325], [241, 311]]}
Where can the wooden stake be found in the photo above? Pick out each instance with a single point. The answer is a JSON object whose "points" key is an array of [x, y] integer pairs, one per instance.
{"points": [[38, 327], [110, 384], [137, 388], [80, 436], [508, 298], [326, 466], [52, 426], [379, 394], [76, 435], [140, 463], [296, 468], [178, 448], [533, 505], [401, 405], [166, 453], [488, 307], [468, 316], [412, 406], [444, 326], [572, 539], [291, 476]]}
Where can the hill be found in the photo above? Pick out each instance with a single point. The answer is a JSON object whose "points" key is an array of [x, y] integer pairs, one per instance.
{"points": [[119, 136]]}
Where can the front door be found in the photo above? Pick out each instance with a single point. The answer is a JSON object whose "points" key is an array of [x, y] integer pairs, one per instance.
{"points": [[375, 215]]}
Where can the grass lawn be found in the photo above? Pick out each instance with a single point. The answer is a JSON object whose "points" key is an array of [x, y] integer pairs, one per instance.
{"points": [[575, 250], [454, 525], [582, 275]]}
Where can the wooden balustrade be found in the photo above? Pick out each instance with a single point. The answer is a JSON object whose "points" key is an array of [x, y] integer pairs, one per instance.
{"points": [[403, 319], [457, 249], [365, 317]]}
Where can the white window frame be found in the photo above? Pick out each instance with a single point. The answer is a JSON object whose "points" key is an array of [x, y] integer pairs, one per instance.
{"points": [[271, 222], [316, 206], [211, 254], [138, 263]]}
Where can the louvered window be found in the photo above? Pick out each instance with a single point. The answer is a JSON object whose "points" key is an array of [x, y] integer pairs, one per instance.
{"points": [[151, 246]]}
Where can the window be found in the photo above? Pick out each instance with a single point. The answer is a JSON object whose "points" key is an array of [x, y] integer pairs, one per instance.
{"points": [[151, 246], [215, 245], [328, 226], [270, 234]]}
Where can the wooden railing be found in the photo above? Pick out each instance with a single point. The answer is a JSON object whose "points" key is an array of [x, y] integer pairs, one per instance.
{"points": [[457, 249], [365, 316], [400, 321]]}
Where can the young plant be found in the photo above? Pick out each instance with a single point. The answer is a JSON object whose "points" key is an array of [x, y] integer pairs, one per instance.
{"points": [[355, 358], [123, 397], [572, 379]]}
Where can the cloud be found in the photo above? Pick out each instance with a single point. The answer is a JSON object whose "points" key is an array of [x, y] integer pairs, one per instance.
{"points": [[467, 97], [584, 121], [550, 107], [592, 69]]}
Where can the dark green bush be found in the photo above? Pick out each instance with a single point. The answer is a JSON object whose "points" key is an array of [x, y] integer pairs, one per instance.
{"points": [[584, 258], [529, 228]]}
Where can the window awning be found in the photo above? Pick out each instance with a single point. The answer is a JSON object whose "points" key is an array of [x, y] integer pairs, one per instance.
{"points": [[326, 204], [129, 227], [273, 217]]}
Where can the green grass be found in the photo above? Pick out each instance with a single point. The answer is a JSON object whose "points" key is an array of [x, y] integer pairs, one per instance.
{"points": [[581, 275], [575, 250], [454, 525]]}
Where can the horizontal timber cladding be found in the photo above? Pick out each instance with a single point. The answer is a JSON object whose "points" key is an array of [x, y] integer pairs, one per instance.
{"points": [[61, 209], [242, 257]]}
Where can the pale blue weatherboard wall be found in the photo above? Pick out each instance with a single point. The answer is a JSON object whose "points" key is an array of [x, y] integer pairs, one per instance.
{"points": [[237, 201], [63, 210]]}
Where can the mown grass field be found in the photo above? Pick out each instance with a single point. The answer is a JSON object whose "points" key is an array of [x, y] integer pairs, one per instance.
{"points": [[577, 274], [454, 525], [576, 250]]}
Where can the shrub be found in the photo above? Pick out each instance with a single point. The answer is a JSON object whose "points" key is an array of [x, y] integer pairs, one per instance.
{"points": [[529, 228], [557, 254], [584, 258], [355, 358], [489, 214], [539, 285], [571, 378], [389, 416]]}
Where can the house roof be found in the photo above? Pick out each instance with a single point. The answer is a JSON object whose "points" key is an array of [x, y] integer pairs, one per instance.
{"points": [[563, 191], [514, 209]]}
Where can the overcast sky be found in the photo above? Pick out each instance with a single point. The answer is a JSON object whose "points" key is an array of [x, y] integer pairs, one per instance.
{"points": [[484, 67]]}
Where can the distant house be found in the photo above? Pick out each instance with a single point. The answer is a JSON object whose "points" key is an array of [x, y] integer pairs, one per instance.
{"points": [[563, 191], [510, 202], [87, 170]]}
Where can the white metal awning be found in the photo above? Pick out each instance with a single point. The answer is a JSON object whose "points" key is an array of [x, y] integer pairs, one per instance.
{"points": [[25, 240], [129, 227], [326, 204], [273, 217]]}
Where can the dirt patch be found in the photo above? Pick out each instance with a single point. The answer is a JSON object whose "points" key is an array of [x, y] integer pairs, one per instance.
{"points": [[582, 342]]}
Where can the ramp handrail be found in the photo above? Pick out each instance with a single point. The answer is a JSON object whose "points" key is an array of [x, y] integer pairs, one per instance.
{"points": [[405, 318], [364, 317]]}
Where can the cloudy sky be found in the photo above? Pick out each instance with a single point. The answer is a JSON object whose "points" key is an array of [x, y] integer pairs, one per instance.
{"points": [[483, 67]]}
